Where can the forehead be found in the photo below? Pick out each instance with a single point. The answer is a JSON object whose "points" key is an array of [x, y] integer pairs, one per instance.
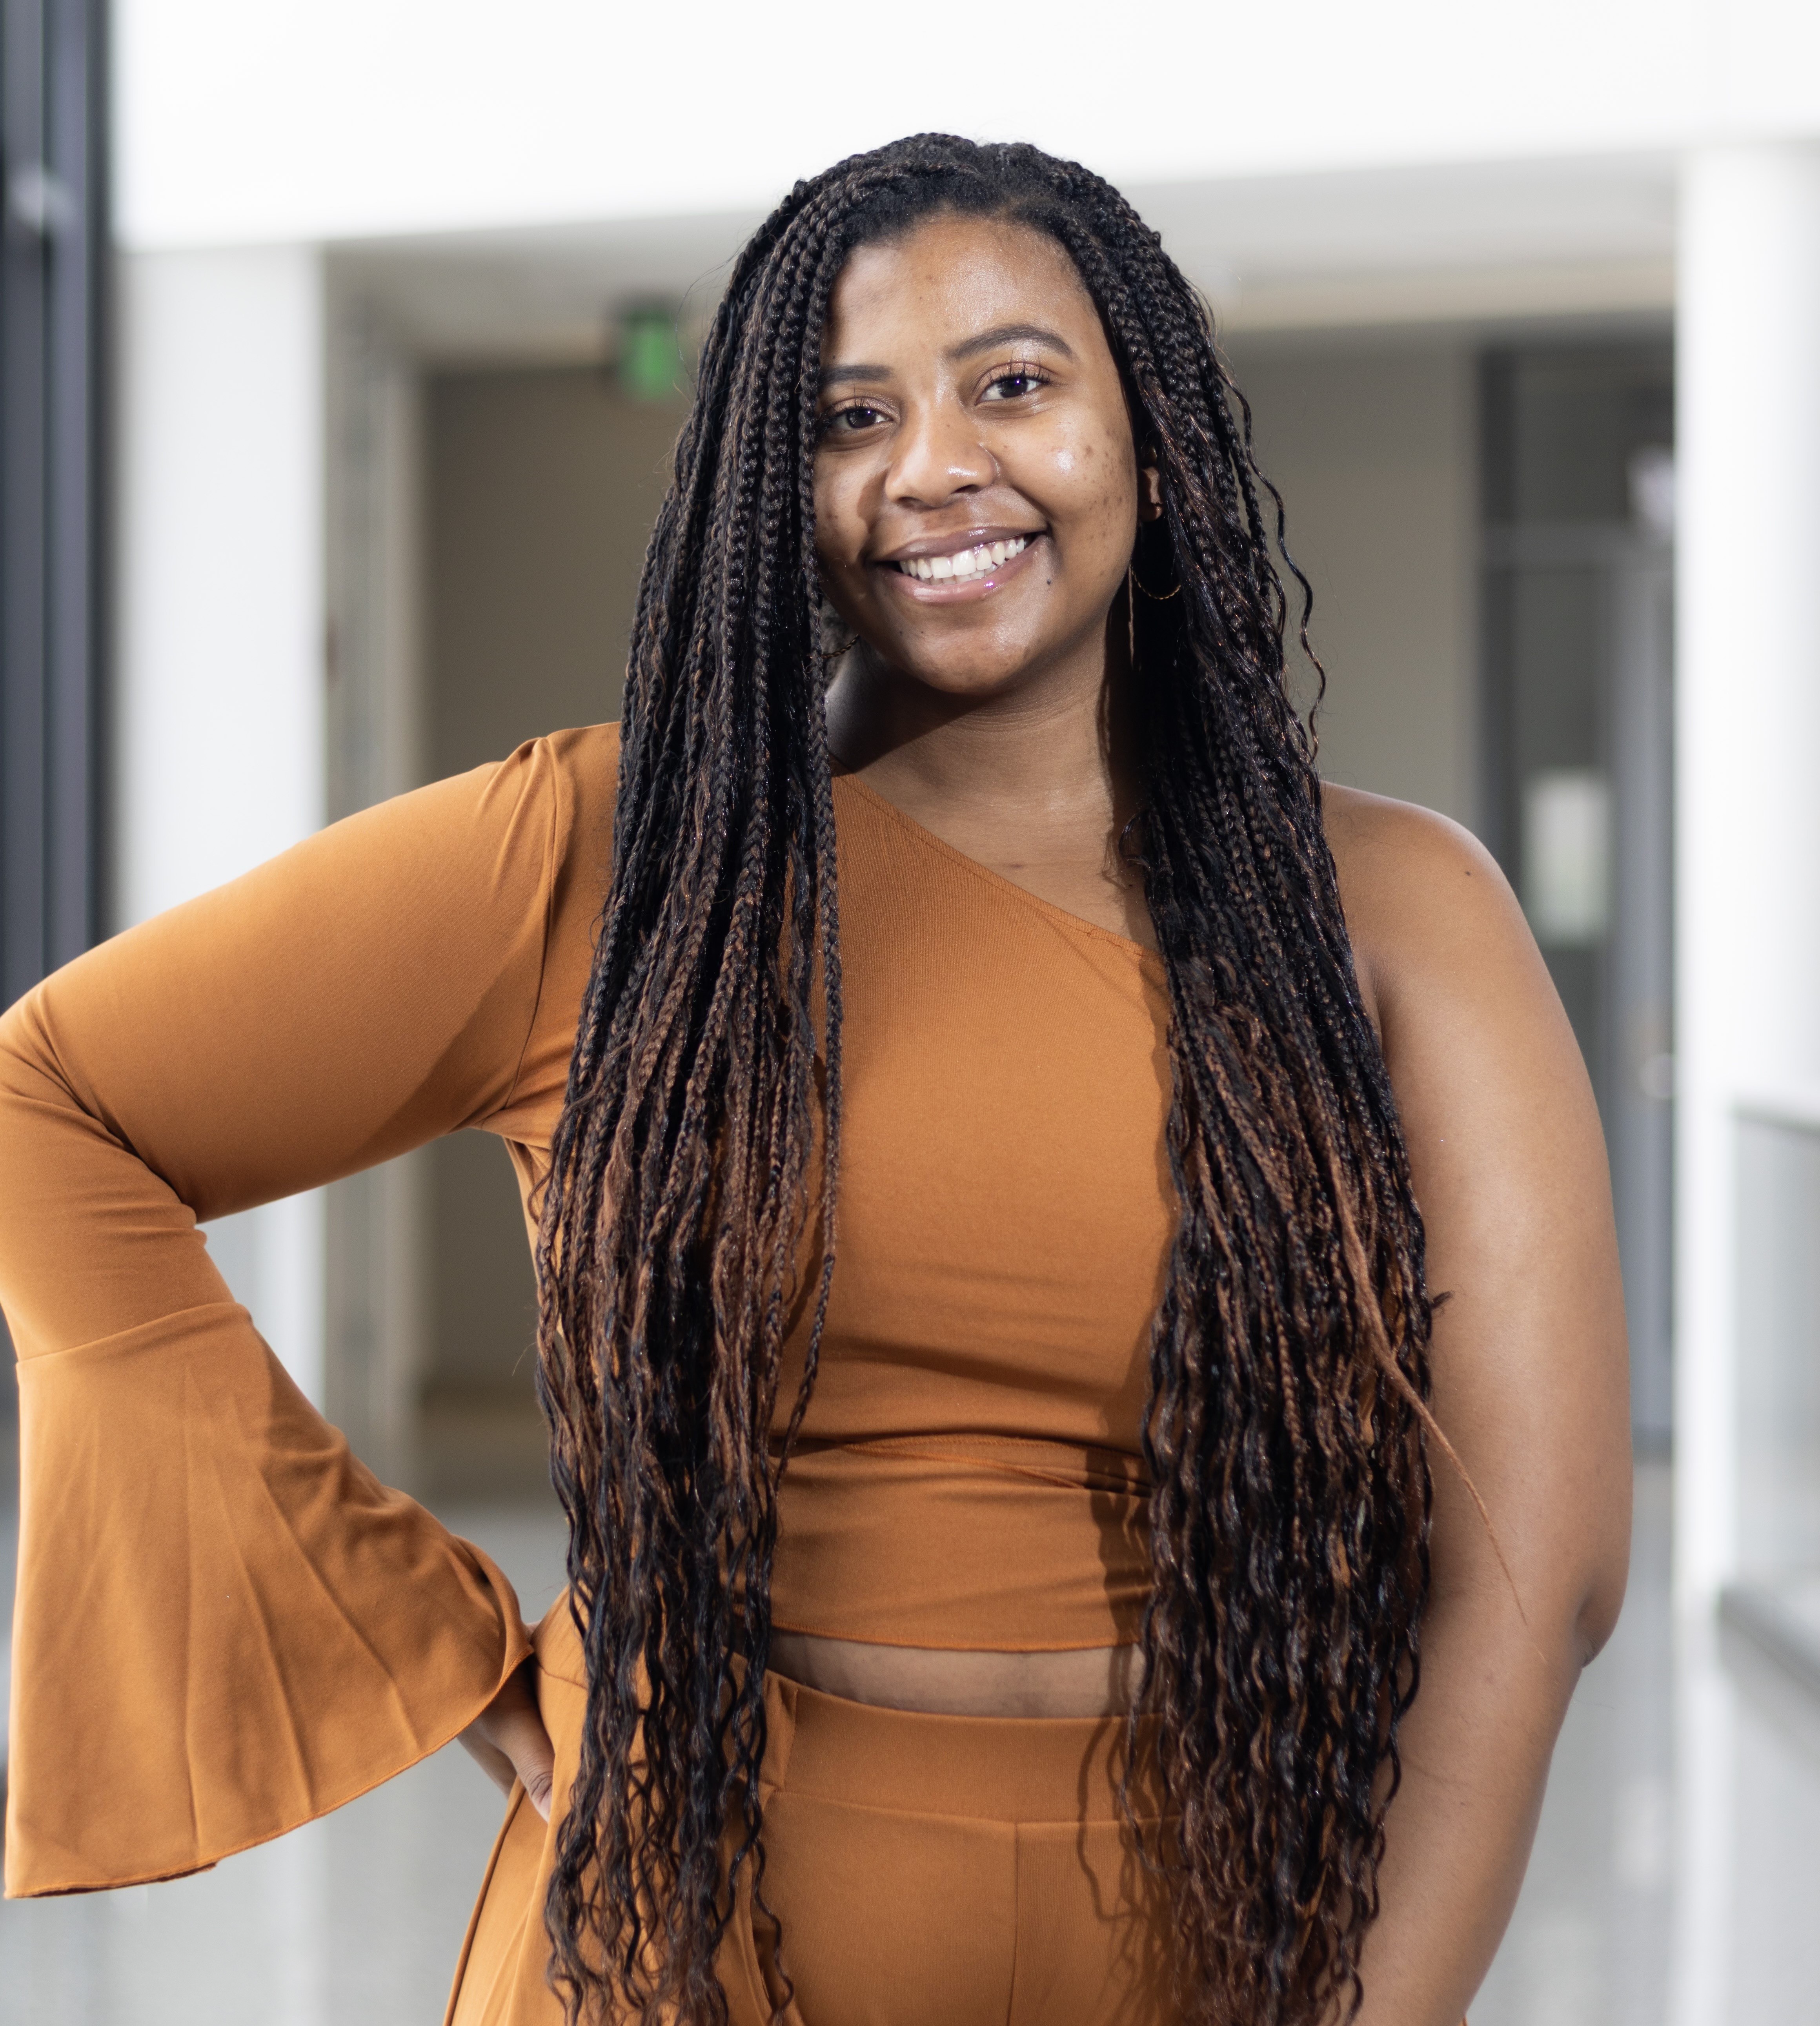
{"points": [[949, 277]]}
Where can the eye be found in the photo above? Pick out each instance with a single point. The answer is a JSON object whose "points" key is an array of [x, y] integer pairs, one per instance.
{"points": [[856, 416], [1012, 383]]}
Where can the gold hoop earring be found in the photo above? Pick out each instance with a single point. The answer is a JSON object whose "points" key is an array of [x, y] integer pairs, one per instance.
{"points": [[1155, 597], [1132, 588]]}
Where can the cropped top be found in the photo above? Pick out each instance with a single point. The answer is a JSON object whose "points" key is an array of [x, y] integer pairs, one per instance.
{"points": [[224, 1623]]}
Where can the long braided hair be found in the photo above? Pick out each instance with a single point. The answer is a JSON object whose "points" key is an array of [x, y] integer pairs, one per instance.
{"points": [[689, 1225]]}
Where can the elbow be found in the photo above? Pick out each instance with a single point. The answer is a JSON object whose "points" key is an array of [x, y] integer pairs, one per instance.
{"points": [[1600, 1602], [1608, 1568], [1598, 1593]]}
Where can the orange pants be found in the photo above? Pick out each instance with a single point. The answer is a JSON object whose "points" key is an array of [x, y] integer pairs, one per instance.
{"points": [[928, 1871]]}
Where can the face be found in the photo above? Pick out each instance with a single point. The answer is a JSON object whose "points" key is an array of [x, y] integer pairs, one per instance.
{"points": [[977, 489]]}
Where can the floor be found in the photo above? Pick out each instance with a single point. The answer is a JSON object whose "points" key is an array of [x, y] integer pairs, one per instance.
{"points": [[1651, 1900]]}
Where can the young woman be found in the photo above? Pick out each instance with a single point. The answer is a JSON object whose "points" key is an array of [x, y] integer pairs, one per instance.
{"points": [[1080, 1321]]}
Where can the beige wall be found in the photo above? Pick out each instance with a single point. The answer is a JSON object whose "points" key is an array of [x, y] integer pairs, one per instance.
{"points": [[543, 485], [1372, 444], [540, 486]]}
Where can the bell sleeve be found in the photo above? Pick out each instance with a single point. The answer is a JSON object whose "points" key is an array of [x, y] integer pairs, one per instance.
{"points": [[224, 1625]]}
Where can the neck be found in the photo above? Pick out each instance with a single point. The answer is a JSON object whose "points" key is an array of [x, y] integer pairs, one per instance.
{"points": [[1056, 745], [1029, 781]]}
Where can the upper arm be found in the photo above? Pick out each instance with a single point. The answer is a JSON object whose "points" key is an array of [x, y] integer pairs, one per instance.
{"points": [[363, 992], [378, 985], [1509, 1172]]}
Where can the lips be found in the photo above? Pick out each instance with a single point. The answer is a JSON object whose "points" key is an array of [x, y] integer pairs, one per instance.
{"points": [[962, 564]]}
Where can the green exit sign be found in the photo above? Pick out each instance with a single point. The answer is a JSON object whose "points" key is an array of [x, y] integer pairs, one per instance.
{"points": [[650, 355]]}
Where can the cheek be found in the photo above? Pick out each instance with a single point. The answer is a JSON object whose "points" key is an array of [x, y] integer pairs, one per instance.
{"points": [[1096, 488], [840, 533]]}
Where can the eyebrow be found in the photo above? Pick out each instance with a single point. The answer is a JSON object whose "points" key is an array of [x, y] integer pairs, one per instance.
{"points": [[1003, 333], [845, 376], [1012, 334]]}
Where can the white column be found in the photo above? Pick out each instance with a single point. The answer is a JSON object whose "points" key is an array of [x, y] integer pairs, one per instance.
{"points": [[219, 720], [1747, 805]]}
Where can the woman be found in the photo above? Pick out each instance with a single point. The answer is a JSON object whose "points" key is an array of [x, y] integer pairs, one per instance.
{"points": [[1018, 1477]]}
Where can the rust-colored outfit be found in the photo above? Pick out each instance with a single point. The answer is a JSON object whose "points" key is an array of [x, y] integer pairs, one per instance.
{"points": [[225, 1627]]}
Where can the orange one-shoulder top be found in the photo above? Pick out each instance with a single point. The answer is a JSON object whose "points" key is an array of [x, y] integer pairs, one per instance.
{"points": [[225, 1624]]}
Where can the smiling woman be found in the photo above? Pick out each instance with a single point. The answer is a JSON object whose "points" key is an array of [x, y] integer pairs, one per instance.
{"points": [[977, 491], [985, 1319]]}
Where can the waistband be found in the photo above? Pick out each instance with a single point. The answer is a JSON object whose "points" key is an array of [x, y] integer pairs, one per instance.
{"points": [[1004, 1769], [979, 1768]]}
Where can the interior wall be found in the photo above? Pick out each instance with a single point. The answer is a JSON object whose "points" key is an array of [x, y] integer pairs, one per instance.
{"points": [[217, 697], [1372, 442], [540, 488], [543, 485], [376, 1261]]}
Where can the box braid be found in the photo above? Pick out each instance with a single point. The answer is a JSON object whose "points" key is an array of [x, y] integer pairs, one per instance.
{"points": [[689, 1223]]}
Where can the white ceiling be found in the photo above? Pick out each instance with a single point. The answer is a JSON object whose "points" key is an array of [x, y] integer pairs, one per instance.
{"points": [[242, 122]]}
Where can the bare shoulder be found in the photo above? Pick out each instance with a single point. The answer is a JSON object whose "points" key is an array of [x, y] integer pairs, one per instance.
{"points": [[1464, 1006], [1420, 892], [1509, 1167]]}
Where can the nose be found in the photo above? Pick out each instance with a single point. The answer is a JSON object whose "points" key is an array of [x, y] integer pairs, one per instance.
{"points": [[938, 452]]}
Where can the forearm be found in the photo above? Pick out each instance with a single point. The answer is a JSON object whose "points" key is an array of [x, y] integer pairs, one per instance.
{"points": [[1475, 1751]]}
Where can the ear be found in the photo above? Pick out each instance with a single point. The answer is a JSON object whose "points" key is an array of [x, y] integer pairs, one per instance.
{"points": [[1149, 493]]}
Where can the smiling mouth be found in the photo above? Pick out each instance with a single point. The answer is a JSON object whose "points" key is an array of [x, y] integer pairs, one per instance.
{"points": [[978, 562]]}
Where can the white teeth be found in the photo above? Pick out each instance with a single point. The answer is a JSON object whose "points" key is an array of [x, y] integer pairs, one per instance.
{"points": [[969, 562]]}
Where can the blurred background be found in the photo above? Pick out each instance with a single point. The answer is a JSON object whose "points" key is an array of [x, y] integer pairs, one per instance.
{"points": [[341, 350]]}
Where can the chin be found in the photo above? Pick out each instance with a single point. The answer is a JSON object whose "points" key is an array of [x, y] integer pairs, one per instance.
{"points": [[964, 669], [964, 683]]}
